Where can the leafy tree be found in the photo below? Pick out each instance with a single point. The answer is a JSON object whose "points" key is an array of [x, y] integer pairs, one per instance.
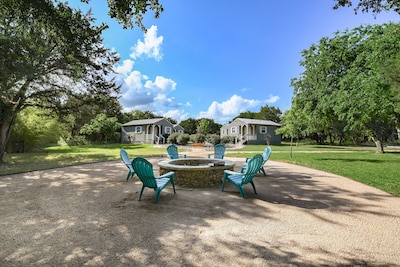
{"points": [[125, 10], [34, 127], [342, 84], [190, 125], [266, 113], [50, 53], [208, 126], [376, 6], [269, 113], [101, 128]]}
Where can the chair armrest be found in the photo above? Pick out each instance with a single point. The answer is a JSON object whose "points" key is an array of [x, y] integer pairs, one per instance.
{"points": [[209, 155], [231, 172], [247, 159], [168, 174]]}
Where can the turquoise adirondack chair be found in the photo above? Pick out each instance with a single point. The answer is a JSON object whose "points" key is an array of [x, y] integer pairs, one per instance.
{"points": [[128, 162], [172, 151], [266, 154], [219, 152], [239, 179], [144, 170]]}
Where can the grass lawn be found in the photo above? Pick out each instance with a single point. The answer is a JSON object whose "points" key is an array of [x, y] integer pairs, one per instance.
{"points": [[359, 163]]}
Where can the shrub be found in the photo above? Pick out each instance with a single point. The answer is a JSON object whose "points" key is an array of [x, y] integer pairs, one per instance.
{"points": [[213, 139], [172, 138], [198, 138], [183, 139], [228, 140]]}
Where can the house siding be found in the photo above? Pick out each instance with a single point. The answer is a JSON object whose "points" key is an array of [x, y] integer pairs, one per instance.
{"points": [[249, 131], [153, 131]]}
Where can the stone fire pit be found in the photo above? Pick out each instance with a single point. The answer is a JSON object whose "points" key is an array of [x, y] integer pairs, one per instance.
{"points": [[197, 172]]}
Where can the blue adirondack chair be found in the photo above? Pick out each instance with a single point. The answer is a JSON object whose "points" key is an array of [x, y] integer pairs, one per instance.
{"points": [[219, 152], [144, 170], [172, 151], [239, 179], [128, 162], [266, 154]]}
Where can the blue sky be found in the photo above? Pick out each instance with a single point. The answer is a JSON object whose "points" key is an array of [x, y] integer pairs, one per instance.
{"points": [[215, 59]]}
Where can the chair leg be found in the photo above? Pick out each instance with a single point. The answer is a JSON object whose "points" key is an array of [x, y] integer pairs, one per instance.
{"points": [[223, 184], [241, 191], [254, 187], [158, 191], [141, 192], [263, 171]]}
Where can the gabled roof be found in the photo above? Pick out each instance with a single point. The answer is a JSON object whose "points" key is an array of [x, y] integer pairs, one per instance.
{"points": [[144, 122], [259, 122]]}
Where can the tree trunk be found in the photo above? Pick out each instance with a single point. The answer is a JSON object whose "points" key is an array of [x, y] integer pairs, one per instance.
{"points": [[7, 120], [379, 145]]}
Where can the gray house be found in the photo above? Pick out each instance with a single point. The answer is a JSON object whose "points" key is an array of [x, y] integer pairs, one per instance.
{"points": [[252, 132], [152, 131], [178, 129]]}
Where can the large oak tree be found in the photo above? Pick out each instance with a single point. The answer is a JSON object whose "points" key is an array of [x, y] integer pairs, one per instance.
{"points": [[50, 53], [343, 87]]}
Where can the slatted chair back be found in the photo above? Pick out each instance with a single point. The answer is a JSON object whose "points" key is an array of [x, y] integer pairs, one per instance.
{"points": [[172, 151], [219, 152], [252, 169], [144, 170], [127, 161]]}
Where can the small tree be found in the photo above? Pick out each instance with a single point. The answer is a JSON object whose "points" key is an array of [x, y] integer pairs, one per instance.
{"points": [[101, 128]]}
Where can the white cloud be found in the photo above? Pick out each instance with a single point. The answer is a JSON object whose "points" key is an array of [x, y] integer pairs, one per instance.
{"points": [[126, 67], [225, 111], [151, 47], [272, 99], [177, 114]]}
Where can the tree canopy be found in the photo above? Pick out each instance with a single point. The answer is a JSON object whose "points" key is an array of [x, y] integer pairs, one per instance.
{"points": [[375, 6], [342, 89], [50, 53]]}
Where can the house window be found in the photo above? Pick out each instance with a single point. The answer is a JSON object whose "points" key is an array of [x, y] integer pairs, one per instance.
{"points": [[263, 129], [223, 132], [168, 130], [138, 129], [233, 130], [180, 131]]}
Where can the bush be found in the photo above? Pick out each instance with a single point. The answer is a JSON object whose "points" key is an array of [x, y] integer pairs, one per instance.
{"points": [[173, 138], [183, 139], [213, 139], [198, 138], [228, 140], [78, 140]]}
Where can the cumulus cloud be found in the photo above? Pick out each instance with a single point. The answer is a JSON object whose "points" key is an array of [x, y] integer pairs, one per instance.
{"points": [[222, 112], [272, 99], [125, 68], [150, 47]]}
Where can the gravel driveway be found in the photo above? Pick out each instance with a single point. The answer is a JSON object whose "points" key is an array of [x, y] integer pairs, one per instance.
{"points": [[89, 215]]}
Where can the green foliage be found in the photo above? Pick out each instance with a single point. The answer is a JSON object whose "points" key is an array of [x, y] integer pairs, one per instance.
{"points": [[213, 139], [172, 138], [227, 140], [198, 138], [102, 128], [190, 125], [208, 126], [51, 53], [34, 128], [375, 6], [266, 113], [341, 90], [183, 139]]}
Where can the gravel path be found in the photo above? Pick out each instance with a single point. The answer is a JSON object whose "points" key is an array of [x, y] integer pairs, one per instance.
{"points": [[89, 216]]}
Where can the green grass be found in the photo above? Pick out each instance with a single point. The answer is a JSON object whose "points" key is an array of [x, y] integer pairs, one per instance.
{"points": [[358, 163], [61, 156]]}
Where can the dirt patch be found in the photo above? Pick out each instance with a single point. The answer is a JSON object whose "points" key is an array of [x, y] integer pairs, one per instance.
{"points": [[89, 215]]}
